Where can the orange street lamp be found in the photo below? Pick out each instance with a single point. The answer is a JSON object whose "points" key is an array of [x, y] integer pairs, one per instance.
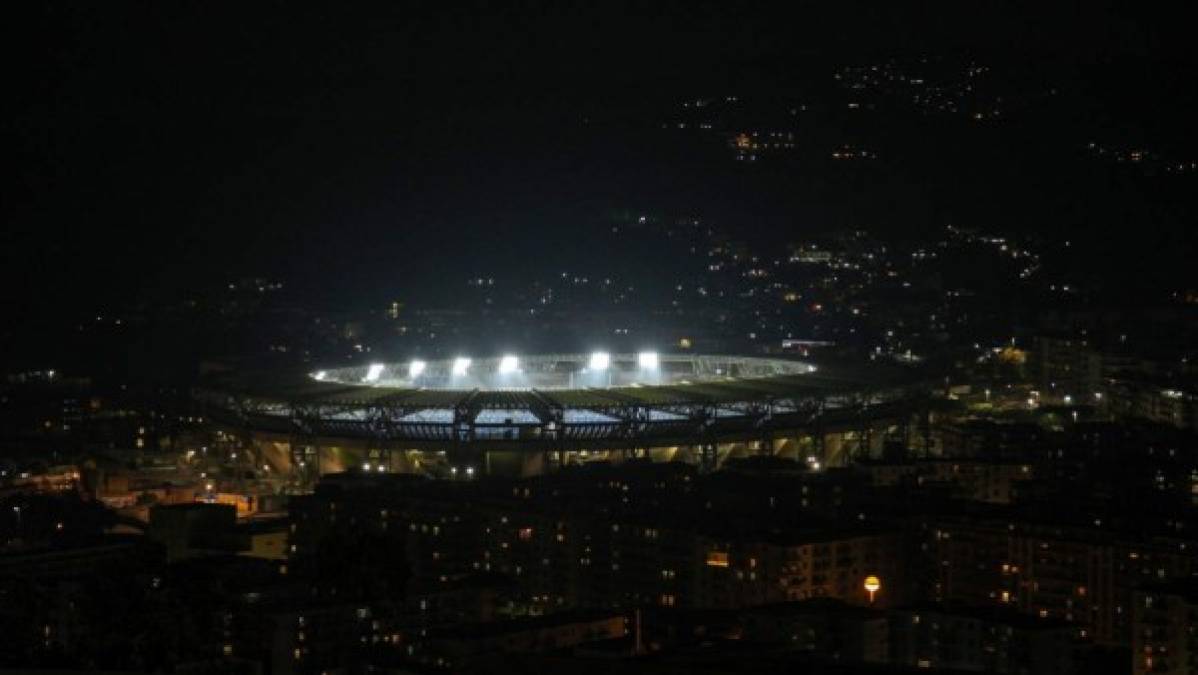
{"points": [[872, 584]]}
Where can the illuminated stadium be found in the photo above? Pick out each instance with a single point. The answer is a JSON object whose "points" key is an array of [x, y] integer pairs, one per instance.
{"points": [[556, 372], [524, 414]]}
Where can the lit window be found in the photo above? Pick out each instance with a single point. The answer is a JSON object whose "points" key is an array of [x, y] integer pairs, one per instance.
{"points": [[717, 559]]}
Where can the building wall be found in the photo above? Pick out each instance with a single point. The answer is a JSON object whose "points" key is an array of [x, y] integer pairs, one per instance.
{"points": [[1164, 632]]}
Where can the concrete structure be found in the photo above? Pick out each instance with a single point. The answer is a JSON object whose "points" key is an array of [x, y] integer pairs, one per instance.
{"points": [[528, 416]]}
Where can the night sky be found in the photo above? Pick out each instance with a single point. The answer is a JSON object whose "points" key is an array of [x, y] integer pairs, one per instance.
{"points": [[363, 154]]}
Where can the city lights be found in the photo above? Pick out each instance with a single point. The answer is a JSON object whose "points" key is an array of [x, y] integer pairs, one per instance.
{"points": [[267, 443], [600, 361], [647, 360]]}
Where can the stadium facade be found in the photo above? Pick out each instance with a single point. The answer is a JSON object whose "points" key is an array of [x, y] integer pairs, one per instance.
{"points": [[523, 415]]}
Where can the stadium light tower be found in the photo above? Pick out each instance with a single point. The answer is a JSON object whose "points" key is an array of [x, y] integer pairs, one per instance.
{"points": [[373, 372], [460, 366], [600, 361], [647, 360], [508, 365], [415, 368]]}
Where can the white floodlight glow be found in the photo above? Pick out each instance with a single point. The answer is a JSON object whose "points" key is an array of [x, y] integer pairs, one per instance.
{"points": [[373, 372], [508, 365], [319, 375], [648, 360], [415, 368], [600, 361], [460, 366]]}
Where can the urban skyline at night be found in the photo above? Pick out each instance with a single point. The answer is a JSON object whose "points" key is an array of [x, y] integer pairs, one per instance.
{"points": [[596, 337]]}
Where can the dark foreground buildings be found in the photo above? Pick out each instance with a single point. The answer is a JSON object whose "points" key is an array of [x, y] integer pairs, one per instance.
{"points": [[1023, 550]]}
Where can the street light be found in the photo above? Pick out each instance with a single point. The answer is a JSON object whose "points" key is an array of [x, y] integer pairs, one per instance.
{"points": [[872, 584]]}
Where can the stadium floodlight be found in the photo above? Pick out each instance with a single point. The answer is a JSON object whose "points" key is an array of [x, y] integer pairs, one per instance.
{"points": [[508, 365], [647, 360], [460, 366], [319, 375], [600, 361], [373, 372], [415, 368]]}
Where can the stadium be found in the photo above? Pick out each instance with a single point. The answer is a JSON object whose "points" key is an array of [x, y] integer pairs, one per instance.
{"points": [[527, 414]]}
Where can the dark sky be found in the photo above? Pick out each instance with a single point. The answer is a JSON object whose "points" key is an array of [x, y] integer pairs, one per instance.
{"points": [[159, 147]]}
